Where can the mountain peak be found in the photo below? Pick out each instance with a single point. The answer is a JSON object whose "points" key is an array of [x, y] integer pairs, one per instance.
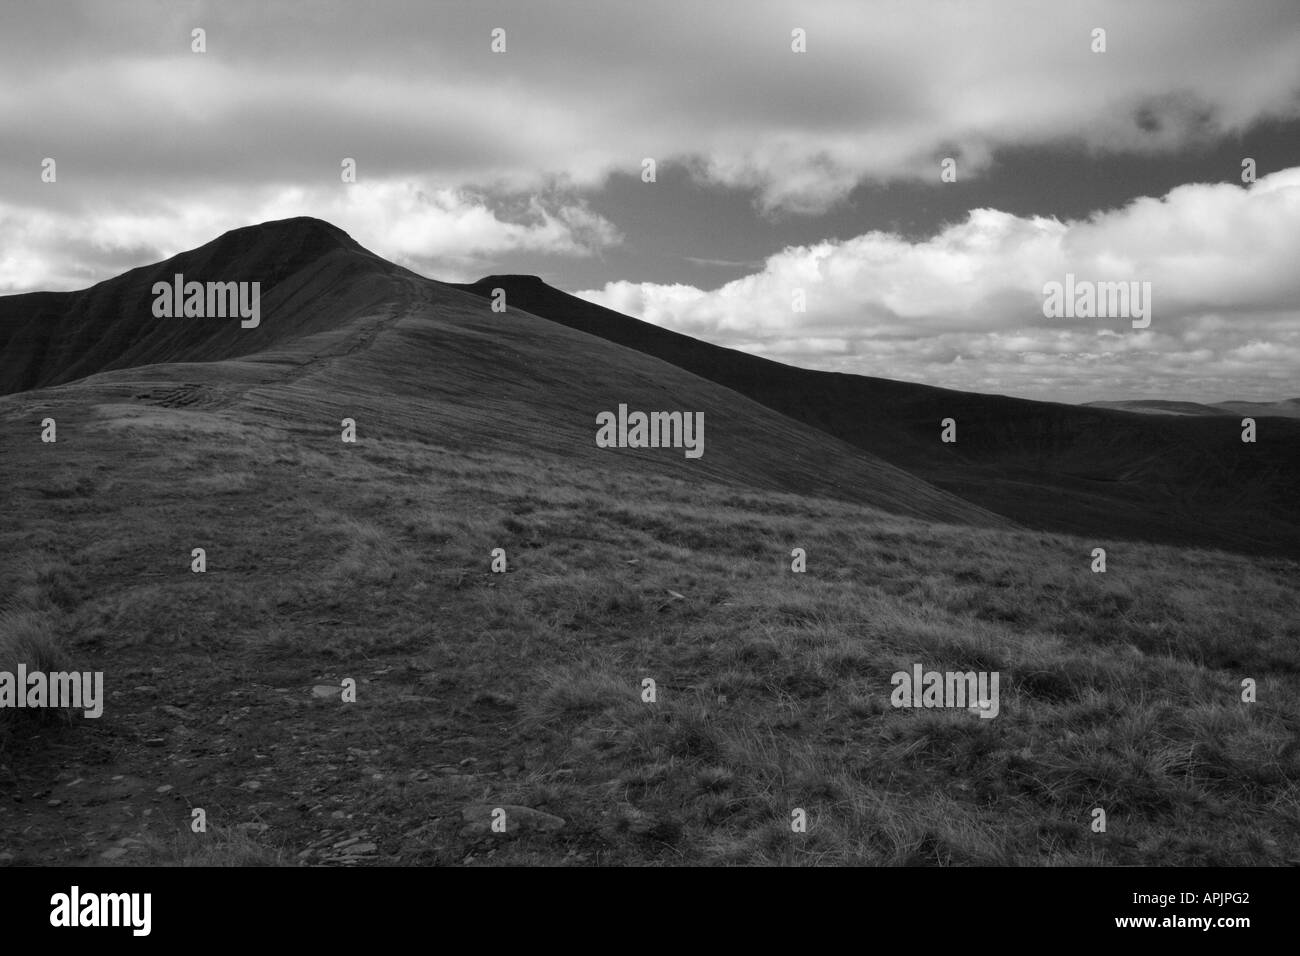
{"points": [[517, 280], [305, 231]]}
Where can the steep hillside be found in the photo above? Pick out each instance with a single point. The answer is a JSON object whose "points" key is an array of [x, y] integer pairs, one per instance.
{"points": [[1095, 472], [313, 276]]}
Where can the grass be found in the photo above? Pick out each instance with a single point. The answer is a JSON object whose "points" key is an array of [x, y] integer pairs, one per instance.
{"points": [[1119, 690], [28, 636]]}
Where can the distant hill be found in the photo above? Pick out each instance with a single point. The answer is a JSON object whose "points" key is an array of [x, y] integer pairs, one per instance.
{"points": [[1094, 471], [1288, 408]]}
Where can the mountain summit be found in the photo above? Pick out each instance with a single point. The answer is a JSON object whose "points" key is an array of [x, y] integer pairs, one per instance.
{"points": [[48, 338]]}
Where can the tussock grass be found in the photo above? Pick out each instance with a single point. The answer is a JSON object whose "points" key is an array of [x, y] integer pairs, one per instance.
{"points": [[31, 638], [219, 846]]}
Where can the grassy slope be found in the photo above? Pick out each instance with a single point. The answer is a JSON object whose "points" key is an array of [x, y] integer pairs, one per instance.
{"points": [[371, 561], [1183, 480]]}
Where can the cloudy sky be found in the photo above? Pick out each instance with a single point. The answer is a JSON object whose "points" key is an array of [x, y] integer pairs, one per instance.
{"points": [[776, 170]]}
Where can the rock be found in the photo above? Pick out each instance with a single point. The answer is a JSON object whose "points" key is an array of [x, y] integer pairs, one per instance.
{"points": [[123, 787], [326, 691], [113, 853], [164, 788], [176, 712], [478, 819], [448, 778], [359, 848], [648, 824]]}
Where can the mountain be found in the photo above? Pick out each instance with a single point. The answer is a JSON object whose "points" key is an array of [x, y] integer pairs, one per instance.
{"points": [[345, 334], [201, 538], [1103, 473], [48, 338], [1158, 407], [1288, 408]]}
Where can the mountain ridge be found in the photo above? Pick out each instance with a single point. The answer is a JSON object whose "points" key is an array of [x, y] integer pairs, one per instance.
{"points": [[1057, 467], [330, 304], [345, 334]]}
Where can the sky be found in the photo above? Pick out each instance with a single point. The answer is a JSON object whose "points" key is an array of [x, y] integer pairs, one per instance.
{"points": [[797, 209]]}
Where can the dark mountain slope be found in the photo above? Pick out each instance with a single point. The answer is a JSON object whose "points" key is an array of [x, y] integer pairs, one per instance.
{"points": [[1097, 472], [311, 275]]}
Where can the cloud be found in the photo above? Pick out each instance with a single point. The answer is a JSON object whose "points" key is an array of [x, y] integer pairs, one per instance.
{"points": [[285, 91], [964, 309], [445, 232]]}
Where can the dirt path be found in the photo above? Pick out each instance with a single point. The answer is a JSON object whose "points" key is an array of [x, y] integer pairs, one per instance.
{"points": [[382, 780]]}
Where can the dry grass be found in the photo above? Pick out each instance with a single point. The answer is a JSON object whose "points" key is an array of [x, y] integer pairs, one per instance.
{"points": [[1119, 691]]}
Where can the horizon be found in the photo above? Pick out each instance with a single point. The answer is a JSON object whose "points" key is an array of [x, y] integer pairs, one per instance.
{"points": [[528, 275]]}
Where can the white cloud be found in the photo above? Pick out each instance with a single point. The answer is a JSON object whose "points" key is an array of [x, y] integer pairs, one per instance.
{"points": [[964, 308], [449, 233]]}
